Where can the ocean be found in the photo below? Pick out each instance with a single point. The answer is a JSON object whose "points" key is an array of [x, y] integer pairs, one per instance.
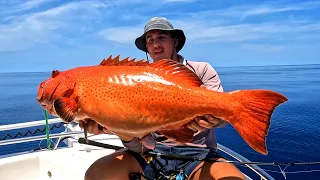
{"points": [[294, 134]]}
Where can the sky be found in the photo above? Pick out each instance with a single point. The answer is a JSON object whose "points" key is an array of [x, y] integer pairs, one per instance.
{"points": [[42, 35]]}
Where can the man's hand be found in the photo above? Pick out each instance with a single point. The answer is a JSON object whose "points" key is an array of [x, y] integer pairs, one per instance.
{"points": [[204, 122], [94, 128]]}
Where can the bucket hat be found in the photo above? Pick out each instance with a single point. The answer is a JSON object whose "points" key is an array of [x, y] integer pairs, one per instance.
{"points": [[160, 23]]}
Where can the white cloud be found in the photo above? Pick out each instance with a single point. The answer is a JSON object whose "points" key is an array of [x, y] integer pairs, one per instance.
{"points": [[204, 32], [267, 9], [43, 27], [244, 11], [121, 34], [17, 6], [81, 17], [69, 8], [31, 4]]}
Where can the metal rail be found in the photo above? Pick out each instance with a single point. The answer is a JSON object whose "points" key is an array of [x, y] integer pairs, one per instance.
{"points": [[40, 137], [28, 124], [35, 138], [240, 158]]}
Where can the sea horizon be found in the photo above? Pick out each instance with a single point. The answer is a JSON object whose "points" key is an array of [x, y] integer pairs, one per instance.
{"points": [[236, 66]]}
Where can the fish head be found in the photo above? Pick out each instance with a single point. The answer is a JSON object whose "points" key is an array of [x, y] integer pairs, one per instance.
{"points": [[56, 86]]}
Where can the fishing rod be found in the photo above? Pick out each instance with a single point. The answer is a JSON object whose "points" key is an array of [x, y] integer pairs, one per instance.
{"points": [[190, 158]]}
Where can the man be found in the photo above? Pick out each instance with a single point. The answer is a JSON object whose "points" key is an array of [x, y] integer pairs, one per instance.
{"points": [[162, 41]]}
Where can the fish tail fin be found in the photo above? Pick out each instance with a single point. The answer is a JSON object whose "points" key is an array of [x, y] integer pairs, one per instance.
{"points": [[252, 115]]}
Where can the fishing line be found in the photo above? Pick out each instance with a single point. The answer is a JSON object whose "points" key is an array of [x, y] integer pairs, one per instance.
{"points": [[283, 172], [294, 172], [278, 164]]}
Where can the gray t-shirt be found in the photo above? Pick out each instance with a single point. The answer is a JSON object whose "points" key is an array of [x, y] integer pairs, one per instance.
{"points": [[205, 138]]}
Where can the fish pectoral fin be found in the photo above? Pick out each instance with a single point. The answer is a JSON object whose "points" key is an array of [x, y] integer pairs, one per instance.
{"points": [[66, 108], [180, 135], [68, 92]]}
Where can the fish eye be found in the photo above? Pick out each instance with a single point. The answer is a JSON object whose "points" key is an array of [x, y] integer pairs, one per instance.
{"points": [[54, 73]]}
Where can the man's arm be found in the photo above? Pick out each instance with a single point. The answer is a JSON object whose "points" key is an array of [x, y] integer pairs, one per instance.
{"points": [[134, 145], [211, 81], [210, 77]]}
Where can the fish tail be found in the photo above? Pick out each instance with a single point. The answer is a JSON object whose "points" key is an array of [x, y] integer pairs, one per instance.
{"points": [[252, 114]]}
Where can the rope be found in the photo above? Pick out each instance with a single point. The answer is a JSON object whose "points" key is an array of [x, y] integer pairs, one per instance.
{"points": [[47, 129]]}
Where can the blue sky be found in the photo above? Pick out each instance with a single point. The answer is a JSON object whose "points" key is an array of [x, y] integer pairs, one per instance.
{"points": [[41, 35]]}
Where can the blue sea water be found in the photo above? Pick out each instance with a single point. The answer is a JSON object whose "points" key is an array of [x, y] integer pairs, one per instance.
{"points": [[294, 134]]}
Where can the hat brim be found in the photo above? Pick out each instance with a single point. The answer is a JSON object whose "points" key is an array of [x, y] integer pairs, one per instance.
{"points": [[141, 41]]}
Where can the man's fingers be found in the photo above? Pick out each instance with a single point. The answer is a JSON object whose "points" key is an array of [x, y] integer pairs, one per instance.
{"points": [[92, 127], [89, 126], [81, 124], [213, 120], [95, 128], [105, 130], [204, 123], [195, 125], [191, 127]]}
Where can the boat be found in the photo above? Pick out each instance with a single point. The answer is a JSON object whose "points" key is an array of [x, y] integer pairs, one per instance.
{"points": [[73, 159]]}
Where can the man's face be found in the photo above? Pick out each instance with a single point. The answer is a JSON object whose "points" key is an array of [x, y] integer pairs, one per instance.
{"points": [[160, 44]]}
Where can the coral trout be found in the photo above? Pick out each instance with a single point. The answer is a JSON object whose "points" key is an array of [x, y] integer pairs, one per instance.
{"points": [[136, 98]]}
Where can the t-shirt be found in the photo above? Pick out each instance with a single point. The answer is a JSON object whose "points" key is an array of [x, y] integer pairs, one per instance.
{"points": [[206, 138]]}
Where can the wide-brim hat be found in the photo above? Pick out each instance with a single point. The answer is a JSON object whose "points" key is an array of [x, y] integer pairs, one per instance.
{"points": [[160, 24]]}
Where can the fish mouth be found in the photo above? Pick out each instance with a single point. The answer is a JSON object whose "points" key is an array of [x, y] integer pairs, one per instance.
{"points": [[40, 92], [50, 109]]}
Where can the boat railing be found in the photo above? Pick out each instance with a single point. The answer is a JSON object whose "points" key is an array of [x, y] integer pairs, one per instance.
{"points": [[240, 158], [39, 137]]}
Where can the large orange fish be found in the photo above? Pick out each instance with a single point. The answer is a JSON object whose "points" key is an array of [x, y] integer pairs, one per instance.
{"points": [[138, 98]]}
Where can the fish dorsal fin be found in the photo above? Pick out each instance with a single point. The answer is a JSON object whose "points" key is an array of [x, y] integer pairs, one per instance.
{"points": [[124, 62], [178, 72]]}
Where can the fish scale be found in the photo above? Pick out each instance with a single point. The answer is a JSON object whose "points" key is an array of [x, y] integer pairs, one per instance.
{"points": [[139, 98]]}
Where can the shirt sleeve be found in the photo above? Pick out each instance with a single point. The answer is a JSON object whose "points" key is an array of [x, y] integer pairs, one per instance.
{"points": [[209, 77]]}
